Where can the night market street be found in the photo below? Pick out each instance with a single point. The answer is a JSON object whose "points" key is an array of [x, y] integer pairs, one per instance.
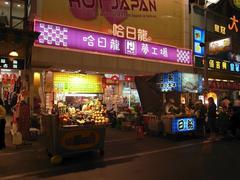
{"points": [[128, 158]]}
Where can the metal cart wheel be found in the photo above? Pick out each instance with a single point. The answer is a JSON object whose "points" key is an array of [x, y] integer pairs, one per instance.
{"points": [[56, 159]]}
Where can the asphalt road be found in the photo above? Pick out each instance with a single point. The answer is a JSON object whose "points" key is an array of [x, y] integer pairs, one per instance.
{"points": [[128, 158]]}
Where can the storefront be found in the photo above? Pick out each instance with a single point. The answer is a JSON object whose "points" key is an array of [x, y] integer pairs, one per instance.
{"points": [[174, 101], [111, 46], [114, 46], [222, 51]]}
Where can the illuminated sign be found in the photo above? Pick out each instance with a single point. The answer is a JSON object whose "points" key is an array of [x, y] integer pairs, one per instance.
{"points": [[220, 29], [64, 37], [115, 11], [130, 33], [184, 125], [77, 83], [180, 82], [221, 65], [170, 82], [78, 140], [233, 25], [6, 63], [236, 3], [224, 85], [219, 46], [198, 38]]}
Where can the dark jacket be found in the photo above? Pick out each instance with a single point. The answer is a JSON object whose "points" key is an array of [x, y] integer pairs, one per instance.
{"points": [[212, 111]]}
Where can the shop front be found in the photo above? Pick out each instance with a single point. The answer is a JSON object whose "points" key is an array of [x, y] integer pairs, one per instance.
{"points": [[88, 63], [173, 104], [221, 51]]}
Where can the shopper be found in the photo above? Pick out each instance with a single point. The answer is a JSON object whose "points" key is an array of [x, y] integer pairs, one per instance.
{"points": [[211, 115], [235, 118], [200, 112], [2, 125]]}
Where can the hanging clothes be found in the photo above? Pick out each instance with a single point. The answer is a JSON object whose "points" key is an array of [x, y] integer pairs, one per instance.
{"points": [[23, 121]]}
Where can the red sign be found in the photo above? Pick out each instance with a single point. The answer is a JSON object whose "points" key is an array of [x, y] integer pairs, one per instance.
{"points": [[110, 81], [224, 85]]}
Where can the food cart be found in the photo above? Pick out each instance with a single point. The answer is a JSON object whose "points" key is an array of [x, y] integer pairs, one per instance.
{"points": [[156, 92], [66, 140], [75, 118]]}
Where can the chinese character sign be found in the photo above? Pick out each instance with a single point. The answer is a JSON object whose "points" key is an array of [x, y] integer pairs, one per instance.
{"points": [[183, 125], [131, 44], [224, 65]]}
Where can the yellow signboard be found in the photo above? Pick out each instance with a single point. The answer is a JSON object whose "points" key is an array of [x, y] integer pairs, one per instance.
{"points": [[164, 20], [77, 83], [80, 140]]}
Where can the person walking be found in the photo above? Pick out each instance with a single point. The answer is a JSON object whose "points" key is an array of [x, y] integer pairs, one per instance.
{"points": [[200, 112], [211, 114], [235, 118], [2, 125]]}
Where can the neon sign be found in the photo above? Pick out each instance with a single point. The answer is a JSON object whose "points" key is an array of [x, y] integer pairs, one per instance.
{"points": [[233, 25], [183, 125], [220, 29], [64, 37], [130, 33]]}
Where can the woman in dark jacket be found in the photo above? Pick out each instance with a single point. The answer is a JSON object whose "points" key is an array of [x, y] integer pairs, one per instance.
{"points": [[2, 125], [211, 115]]}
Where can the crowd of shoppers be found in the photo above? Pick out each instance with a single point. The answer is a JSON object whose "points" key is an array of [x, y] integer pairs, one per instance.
{"points": [[224, 120]]}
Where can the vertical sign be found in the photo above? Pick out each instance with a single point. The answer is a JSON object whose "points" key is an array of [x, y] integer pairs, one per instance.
{"points": [[198, 38]]}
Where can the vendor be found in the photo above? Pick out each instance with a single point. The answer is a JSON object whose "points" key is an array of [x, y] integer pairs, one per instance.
{"points": [[170, 107]]}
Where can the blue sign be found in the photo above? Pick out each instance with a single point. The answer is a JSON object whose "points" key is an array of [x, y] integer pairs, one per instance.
{"points": [[185, 124], [198, 38], [170, 82], [180, 82]]}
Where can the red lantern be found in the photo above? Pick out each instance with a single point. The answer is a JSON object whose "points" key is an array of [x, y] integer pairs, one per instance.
{"points": [[128, 78], [115, 78]]}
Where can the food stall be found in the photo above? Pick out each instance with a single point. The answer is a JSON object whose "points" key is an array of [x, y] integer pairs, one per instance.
{"points": [[75, 118], [176, 93]]}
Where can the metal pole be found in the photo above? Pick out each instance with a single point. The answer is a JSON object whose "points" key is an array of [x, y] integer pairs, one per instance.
{"points": [[11, 7], [205, 53], [25, 18]]}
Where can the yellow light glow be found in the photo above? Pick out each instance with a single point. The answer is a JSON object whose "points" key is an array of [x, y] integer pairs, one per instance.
{"points": [[13, 53], [77, 83]]}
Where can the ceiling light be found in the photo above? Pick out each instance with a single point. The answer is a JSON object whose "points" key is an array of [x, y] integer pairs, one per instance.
{"points": [[13, 53], [19, 5], [209, 2], [6, 2]]}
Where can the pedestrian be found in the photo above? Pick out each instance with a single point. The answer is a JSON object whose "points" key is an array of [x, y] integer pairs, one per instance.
{"points": [[235, 118], [211, 115], [200, 112], [2, 125]]}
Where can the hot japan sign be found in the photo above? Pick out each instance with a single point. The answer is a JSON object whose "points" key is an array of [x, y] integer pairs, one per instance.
{"points": [[64, 37]]}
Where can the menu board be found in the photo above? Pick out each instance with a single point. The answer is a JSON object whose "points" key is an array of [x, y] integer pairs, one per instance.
{"points": [[77, 83], [6, 63]]}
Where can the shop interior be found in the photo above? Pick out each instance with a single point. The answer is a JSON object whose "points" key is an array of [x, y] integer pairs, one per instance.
{"points": [[85, 98]]}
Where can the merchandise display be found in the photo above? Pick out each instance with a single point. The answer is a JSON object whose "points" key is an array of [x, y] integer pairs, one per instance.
{"points": [[92, 113]]}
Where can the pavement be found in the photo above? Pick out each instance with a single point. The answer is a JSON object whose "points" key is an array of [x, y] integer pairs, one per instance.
{"points": [[127, 157]]}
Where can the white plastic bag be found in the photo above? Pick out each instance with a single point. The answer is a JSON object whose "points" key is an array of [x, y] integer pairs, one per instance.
{"points": [[206, 119], [14, 128], [17, 138]]}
